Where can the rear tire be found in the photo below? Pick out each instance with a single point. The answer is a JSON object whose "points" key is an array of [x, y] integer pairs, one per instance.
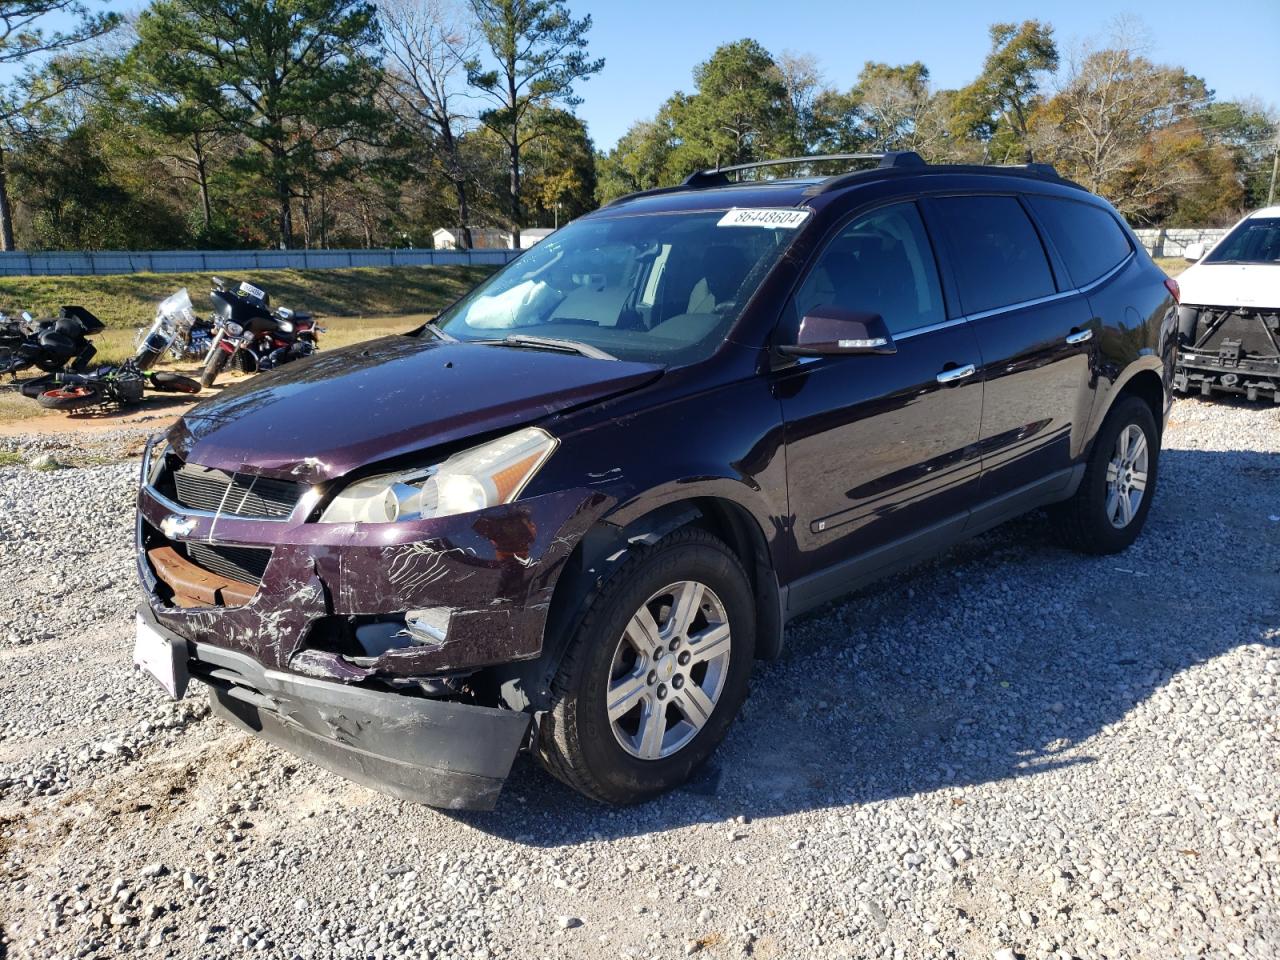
{"points": [[213, 365], [174, 383], [690, 684], [74, 396], [1108, 511]]}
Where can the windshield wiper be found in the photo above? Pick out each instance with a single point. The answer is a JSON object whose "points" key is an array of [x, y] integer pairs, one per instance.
{"points": [[555, 343], [437, 331]]}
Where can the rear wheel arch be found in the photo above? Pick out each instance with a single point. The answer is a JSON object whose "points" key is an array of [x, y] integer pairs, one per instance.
{"points": [[1147, 385], [1144, 381]]}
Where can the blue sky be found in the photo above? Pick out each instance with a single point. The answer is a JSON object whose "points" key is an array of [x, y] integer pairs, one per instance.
{"points": [[652, 47]]}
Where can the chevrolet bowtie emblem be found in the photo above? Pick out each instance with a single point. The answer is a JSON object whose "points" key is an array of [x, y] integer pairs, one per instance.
{"points": [[175, 527]]}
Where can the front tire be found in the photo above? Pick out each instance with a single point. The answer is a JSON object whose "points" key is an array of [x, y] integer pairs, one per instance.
{"points": [[213, 365], [146, 358], [1109, 509], [654, 673]]}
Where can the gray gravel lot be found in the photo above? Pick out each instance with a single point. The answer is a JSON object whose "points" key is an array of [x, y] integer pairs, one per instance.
{"points": [[1012, 752]]}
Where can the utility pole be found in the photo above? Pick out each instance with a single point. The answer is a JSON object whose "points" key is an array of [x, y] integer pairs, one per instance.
{"points": [[1275, 164]]}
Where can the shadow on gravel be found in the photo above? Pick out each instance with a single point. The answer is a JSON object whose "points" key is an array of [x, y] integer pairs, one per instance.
{"points": [[982, 666]]}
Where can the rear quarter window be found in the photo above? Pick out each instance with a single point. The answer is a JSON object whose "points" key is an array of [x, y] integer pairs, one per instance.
{"points": [[995, 252], [1088, 238]]}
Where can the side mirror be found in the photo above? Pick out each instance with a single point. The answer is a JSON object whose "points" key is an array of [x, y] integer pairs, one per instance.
{"points": [[1193, 252], [830, 331]]}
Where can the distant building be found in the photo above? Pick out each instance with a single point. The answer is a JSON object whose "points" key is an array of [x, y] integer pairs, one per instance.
{"points": [[487, 238], [531, 235], [482, 238]]}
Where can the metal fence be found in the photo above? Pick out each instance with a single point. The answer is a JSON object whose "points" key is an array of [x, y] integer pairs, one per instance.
{"points": [[1164, 242], [231, 261]]}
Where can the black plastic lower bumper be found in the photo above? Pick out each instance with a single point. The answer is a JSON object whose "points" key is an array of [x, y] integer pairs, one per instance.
{"points": [[435, 752]]}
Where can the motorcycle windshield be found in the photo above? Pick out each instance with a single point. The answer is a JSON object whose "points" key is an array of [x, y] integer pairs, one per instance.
{"points": [[177, 309]]}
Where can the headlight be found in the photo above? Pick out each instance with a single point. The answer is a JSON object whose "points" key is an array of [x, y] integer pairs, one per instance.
{"points": [[234, 329], [484, 476]]}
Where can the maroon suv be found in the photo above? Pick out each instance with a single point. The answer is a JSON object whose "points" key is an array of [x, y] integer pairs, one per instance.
{"points": [[568, 515]]}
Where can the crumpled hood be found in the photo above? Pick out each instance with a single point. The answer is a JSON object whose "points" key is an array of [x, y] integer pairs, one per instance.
{"points": [[322, 417], [1231, 285]]}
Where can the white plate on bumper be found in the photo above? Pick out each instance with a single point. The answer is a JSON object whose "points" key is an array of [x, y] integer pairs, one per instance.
{"points": [[162, 658]]}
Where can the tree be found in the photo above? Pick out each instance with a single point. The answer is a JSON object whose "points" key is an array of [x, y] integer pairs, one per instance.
{"points": [[183, 132], [641, 159], [296, 78], [997, 106], [802, 78], [560, 172], [34, 55], [540, 52], [429, 52], [1125, 127], [741, 111]]}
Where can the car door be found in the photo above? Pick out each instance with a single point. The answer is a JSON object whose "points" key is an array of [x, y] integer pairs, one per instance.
{"points": [[1034, 334], [880, 449]]}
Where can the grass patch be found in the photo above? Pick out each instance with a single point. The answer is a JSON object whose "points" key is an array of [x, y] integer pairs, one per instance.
{"points": [[127, 301], [10, 459], [14, 406], [1172, 265]]}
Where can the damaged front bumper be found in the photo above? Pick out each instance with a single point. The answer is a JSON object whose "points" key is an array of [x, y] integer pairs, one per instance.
{"points": [[436, 752], [285, 645], [1228, 350]]}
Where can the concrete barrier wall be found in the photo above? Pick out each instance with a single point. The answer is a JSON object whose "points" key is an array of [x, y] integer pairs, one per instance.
{"points": [[1173, 241], [231, 261]]}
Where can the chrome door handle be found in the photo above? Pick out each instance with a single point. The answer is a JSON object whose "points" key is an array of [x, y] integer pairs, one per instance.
{"points": [[957, 373], [1080, 336]]}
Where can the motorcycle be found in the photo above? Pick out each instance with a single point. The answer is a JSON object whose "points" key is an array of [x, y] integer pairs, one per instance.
{"points": [[51, 344], [257, 337], [176, 330], [122, 385]]}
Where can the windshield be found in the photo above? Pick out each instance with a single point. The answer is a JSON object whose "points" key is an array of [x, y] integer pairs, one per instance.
{"points": [[651, 287], [1254, 241]]}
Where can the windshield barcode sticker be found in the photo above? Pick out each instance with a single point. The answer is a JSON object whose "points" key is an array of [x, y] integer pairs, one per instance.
{"points": [[772, 219]]}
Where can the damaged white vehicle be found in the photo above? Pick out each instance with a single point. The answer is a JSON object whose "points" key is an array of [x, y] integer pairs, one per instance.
{"points": [[1229, 319]]}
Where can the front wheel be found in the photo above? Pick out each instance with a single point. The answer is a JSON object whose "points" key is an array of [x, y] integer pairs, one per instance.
{"points": [[74, 396], [1109, 509], [213, 365], [146, 358], [654, 673]]}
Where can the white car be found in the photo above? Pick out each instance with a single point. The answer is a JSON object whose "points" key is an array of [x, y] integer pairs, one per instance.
{"points": [[1229, 320]]}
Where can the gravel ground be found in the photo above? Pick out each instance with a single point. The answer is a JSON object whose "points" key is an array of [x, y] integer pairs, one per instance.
{"points": [[1012, 752]]}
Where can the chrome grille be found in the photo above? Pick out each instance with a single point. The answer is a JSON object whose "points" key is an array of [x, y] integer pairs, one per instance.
{"points": [[246, 564], [234, 494]]}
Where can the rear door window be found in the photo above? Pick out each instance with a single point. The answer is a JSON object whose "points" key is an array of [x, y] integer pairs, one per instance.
{"points": [[1087, 237], [996, 253]]}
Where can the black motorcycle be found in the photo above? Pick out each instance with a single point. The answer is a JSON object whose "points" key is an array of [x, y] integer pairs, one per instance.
{"points": [[49, 345], [257, 337], [122, 385]]}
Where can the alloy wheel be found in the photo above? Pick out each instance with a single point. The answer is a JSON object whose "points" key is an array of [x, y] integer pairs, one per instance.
{"points": [[669, 670], [1127, 476]]}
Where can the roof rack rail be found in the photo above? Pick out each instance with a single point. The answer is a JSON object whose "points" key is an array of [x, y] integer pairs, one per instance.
{"points": [[897, 160], [1041, 171], [718, 176]]}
